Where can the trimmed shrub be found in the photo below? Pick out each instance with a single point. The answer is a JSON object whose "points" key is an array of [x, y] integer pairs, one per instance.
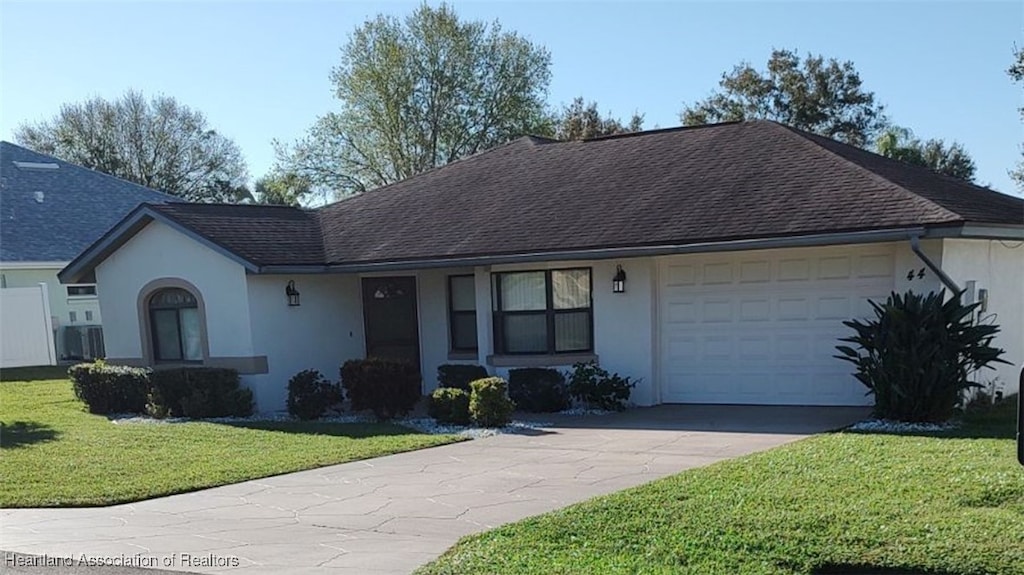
{"points": [[449, 405], [538, 389], [489, 405], [107, 389], [198, 392], [388, 388], [917, 353], [310, 394], [595, 387], [459, 375]]}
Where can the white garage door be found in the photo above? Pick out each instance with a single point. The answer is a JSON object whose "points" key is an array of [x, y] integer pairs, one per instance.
{"points": [[761, 327]]}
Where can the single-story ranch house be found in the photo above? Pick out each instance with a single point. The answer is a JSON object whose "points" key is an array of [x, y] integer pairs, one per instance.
{"points": [[714, 263]]}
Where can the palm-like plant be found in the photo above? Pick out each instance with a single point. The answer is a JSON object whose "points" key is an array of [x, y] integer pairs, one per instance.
{"points": [[917, 354]]}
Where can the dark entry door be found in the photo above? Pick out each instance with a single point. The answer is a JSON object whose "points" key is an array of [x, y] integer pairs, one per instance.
{"points": [[389, 312]]}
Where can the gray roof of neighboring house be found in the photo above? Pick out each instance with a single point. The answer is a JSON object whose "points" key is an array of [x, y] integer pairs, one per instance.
{"points": [[683, 186], [51, 214]]}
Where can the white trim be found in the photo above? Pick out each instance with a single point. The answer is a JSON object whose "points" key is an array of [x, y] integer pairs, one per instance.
{"points": [[36, 165], [31, 265], [50, 343], [816, 240], [80, 297]]}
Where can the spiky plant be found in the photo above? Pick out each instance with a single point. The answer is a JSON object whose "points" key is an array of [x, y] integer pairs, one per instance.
{"points": [[917, 353]]}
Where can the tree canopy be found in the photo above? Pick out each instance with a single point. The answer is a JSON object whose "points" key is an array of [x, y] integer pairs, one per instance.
{"points": [[285, 189], [580, 120], [419, 93], [1016, 72], [158, 143], [813, 94], [952, 159]]}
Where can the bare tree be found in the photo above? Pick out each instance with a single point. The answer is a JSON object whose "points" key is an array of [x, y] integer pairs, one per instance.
{"points": [[579, 121], [419, 93], [157, 143]]}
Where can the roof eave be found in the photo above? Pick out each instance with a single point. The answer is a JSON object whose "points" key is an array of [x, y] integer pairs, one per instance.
{"points": [[978, 231], [86, 262], [871, 236]]}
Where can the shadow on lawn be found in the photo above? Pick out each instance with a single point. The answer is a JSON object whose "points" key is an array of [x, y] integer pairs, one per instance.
{"points": [[41, 373], [353, 430], [25, 433], [869, 570]]}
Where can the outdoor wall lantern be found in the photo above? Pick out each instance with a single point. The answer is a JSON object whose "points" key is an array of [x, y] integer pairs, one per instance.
{"points": [[619, 281], [292, 293]]}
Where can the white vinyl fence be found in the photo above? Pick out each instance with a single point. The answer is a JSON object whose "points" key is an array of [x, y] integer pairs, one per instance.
{"points": [[26, 335]]}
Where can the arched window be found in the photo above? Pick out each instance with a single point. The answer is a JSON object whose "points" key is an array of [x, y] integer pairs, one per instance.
{"points": [[175, 324]]}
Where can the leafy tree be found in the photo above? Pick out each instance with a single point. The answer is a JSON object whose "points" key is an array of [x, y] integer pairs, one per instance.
{"points": [[225, 192], [1016, 72], [817, 95], [286, 189], [952, 160], [579, 121], [419, 93], [158, 143]]}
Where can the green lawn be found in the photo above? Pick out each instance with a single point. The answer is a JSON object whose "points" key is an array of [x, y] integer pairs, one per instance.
{"points": [[836, 503], [55, 454]]}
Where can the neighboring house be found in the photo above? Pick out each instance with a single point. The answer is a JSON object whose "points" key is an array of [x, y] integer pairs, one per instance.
{"points": [[742, 248], [50, 211]]}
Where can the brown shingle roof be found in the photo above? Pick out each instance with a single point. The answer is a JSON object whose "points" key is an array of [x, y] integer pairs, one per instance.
{"points": [[722, 182], [263, 235]]}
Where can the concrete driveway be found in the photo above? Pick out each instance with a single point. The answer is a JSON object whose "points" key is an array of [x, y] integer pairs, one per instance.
{"points": [[392, 514]]}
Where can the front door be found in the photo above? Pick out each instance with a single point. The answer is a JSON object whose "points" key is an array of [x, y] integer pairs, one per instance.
{"points": [[389, 312]]}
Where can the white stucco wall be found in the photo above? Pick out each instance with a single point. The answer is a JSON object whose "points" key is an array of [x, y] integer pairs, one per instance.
{"points": [[906, 261], [623, 323], [159, 251], [432, 305], [321, 333], [997, 266]]}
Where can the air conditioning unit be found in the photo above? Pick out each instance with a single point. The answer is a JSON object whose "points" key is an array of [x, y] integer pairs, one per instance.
{"points": [[83, 342], [94, 340]]}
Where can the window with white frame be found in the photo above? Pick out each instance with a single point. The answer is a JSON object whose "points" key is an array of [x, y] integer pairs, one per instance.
{"points": [[543, 312], [462, 313], [81, 290]]}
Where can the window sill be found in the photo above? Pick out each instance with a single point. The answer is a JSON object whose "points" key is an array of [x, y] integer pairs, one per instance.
{"points": [[539, 360], [463, 356]]}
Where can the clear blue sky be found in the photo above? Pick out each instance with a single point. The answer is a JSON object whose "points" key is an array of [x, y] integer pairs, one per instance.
{"points": [[259, 70]]}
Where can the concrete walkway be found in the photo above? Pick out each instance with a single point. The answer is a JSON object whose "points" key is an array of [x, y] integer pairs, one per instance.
{"points": [[392, 514]]}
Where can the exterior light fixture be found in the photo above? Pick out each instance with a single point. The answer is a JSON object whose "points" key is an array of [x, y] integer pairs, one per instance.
{"points": [[619, 281], [292, 293]]}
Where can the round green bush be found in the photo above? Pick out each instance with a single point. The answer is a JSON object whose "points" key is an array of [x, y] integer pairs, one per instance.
{"points": [[538, 389], [489, 405], [310, 394], [449, 405]]}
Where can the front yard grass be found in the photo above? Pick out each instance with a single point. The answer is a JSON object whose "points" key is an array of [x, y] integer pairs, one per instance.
{"points": [[55, 454], [849, 503]]}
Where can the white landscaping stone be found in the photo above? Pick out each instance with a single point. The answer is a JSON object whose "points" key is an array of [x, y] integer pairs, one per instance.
{"points": [[422, 424], [889, 426]]}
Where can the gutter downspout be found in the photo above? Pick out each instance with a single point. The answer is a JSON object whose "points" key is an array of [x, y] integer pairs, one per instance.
{"points": [[915, 246]]}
